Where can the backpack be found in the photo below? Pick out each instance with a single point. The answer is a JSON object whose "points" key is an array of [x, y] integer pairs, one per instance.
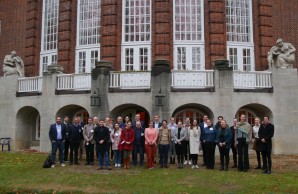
{"points": [[48, 162]]}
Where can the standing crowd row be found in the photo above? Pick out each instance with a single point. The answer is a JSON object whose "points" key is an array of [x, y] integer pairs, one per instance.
{"points": [[170, 141]]}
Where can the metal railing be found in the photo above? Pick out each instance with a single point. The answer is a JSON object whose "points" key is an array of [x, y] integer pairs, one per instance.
{"points": [[74, 81], [130, 79], [192, 79], [30, 84], [252, 80]]}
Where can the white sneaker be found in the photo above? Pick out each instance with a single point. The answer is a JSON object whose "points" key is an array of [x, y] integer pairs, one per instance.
{"points": [[62, 164], [197, 166], [185, 162], [193, 167], [119, 165], [53, 166], [116, 165], [189, 162]]}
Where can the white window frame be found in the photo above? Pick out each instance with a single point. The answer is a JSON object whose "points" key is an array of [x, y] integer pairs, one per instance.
{"points": [[189, 44], [88, 65], [136, 57], [243, 45], [87, 48], [37, 128], [135, 45], [47, 53]]}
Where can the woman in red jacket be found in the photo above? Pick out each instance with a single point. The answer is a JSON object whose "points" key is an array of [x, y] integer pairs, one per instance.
{"points": [[126, 143]]}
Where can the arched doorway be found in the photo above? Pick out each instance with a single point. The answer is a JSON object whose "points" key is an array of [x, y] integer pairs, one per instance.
{"points": [[27, 131], [131, 110], [251, 111], [72, 111], [193, 111]]}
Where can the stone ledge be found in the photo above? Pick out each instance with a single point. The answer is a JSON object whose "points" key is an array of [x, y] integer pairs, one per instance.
{"points": [[23, 94], [211, 89], [65, 92], [256, 90], [119, 90]]}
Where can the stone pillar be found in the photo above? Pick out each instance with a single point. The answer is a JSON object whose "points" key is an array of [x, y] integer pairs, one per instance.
{"points": [[224, 86], [100, 82], [161, 85]]}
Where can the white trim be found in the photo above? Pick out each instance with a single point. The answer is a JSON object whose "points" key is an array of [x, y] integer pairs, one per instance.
{"points": [[240, 56], [87, 59], [136, 57]]}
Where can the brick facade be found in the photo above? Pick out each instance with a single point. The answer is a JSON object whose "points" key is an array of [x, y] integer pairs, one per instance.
{"points": [[272, 19]]}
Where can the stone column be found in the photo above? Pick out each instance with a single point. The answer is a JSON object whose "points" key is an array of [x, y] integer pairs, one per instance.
{"points": [[100, 83], [161, 85], [224, 86]]}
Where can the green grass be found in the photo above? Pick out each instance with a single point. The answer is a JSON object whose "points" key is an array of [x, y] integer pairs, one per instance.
{"points": [[22, 172]]}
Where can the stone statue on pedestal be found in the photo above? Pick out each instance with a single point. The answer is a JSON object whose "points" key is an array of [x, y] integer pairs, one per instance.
{"points": [[13, 65], [282, 55]]}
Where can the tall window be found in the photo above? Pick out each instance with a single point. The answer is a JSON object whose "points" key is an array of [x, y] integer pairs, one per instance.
{"points": [[239, 34], [88, 35], [192, 114], [188, 35], [136, 41], [48, 54]]}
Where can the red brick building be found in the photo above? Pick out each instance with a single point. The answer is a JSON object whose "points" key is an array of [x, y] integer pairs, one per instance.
{"points": [[132, 34]]}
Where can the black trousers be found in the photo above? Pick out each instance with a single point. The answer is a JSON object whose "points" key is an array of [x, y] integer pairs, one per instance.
{"points": [[89, 153], [180, 152], [267, 162], [234, 151], [210, 152], [194, 159], [204, 152], [186, 149], [259, 158], [224, 157], [243, 162], [74, 151], [66, 149]]}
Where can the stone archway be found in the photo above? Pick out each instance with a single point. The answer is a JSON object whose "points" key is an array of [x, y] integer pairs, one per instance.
{"points": [[27, 131], [131, 110], [73, 110], [254, 110], [193, 111]]}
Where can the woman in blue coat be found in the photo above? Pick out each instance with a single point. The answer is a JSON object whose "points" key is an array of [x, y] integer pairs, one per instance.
{"points": [[209, 138], [224, 137]]}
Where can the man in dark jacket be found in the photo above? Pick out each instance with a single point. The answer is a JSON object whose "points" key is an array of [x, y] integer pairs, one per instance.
{"points": [[233, 148], [139, 142], [101, 137], [266, 133], [66, 144], [203, 125], [57, 136], [75, 136]]}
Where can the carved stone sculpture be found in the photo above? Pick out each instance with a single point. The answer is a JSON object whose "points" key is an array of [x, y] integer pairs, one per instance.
{"points": [[13, 65], [282, 55]]}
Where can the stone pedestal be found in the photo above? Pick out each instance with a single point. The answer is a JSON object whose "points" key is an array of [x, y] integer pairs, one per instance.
{"points": [[161, 86], [100, 82]]}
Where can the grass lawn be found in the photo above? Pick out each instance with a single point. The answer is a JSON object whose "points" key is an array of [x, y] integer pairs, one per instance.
{"points": [[22, 172]]}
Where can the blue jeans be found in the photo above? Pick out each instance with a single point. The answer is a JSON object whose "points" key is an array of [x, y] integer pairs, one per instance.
{"points": [[163, 153], [103, 156], [117, 156], [138, 149], [58, 145]]}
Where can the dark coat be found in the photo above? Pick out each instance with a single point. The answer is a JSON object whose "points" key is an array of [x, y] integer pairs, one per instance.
{"points": [[134, 125], [53, 132], [227, 137], [127, 135], [75, 133], [101, 133], [266, 132], [201, 125], [233, 131], [142, 137]]}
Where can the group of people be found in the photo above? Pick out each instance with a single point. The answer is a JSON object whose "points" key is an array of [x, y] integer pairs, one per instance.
{"points": [[125, 140]]}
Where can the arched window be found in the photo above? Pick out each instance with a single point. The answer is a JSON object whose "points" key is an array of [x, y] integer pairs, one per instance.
{"points": [[191, 113], [249, 115]]}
